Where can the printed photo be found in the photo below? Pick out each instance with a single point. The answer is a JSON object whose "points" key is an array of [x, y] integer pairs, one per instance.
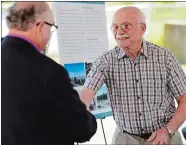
{"points": [[77, 73], [101, 97]]}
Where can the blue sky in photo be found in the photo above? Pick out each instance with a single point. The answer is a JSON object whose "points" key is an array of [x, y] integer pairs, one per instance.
{"points": [[103, 90], [75, 69]]}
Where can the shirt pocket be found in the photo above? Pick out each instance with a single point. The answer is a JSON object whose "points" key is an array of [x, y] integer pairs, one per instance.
{"points": [[156, 91]]}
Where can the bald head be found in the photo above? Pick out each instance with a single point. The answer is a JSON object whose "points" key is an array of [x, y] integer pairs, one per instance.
{"points": [[133, 12], [23, 14], [128, 27]]}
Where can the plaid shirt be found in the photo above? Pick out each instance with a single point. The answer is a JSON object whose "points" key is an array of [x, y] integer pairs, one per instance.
{"points": [[141, 92]]}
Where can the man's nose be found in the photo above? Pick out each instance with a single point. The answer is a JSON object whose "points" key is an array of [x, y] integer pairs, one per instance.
{"points": [[120, 30]]}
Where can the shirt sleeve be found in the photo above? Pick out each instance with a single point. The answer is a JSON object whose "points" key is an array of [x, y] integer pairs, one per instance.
{"points": [[96, 77], [176, 77]]}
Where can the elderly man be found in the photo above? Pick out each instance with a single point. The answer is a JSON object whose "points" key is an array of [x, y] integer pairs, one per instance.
{"points": [[143, 80], [39, 104]]}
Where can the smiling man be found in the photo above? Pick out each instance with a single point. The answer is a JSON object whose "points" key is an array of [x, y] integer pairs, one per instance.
{"points": [[143, 80]]}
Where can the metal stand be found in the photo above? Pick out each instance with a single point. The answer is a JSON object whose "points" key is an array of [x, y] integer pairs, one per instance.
{"points": [[103, 131]]}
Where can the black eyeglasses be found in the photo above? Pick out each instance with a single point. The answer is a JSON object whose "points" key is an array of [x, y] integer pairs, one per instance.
{"points": [[53, 27]]}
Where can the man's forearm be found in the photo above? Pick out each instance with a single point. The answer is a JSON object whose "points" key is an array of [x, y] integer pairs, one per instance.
{"points": [[180, 116], [87, 96]]}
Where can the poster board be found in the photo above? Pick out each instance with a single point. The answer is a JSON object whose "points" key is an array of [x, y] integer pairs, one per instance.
{"points": [[82, 38]]}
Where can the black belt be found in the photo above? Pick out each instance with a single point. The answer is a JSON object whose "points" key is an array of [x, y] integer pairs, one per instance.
{"points": [[144, 135]]}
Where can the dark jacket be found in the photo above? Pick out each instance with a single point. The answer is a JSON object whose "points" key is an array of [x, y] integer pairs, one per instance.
{"points": [[38, 103]]}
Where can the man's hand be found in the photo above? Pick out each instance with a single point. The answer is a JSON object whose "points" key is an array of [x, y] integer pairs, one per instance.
{"points": [[86, 96], [159, 137]]}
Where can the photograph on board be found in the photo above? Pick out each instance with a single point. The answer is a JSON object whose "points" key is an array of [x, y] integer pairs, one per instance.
{"points": [[76, 72], [100, 101], [101, 98]]}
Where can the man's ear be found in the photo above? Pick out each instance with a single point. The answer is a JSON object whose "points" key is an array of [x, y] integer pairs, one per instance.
{"points": [[37, 34], [143, 28], [39, 26]]}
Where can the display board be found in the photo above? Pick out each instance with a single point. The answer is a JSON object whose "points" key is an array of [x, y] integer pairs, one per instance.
{"points": [[82, 38]]}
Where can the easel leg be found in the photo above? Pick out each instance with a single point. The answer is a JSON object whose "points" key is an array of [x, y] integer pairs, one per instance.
{"points": [[103, 132]]}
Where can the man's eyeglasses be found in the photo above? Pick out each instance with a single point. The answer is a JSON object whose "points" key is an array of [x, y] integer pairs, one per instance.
{"points": [[124, 26], [53, 27]]}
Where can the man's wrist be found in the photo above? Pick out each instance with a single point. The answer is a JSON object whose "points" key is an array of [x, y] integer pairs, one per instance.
{"points": [[170, 131]]}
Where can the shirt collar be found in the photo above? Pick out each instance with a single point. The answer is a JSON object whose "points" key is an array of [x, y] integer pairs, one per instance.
{"points": [[121, 53], [144, 50], [26, 39]]}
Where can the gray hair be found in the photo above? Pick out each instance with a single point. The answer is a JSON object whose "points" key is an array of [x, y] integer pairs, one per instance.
{"points": [[22, 15]]}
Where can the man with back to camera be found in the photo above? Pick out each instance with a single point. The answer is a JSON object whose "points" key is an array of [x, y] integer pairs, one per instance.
{"points": [[39, 104], [143, 80]]}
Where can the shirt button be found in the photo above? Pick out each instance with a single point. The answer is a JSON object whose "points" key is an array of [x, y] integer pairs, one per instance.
{"points": [[140, 114], [136, 80], [138, 97]]}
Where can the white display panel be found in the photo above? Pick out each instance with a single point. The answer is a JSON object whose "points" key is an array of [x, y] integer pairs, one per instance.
{"points": [[82, 38]]}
